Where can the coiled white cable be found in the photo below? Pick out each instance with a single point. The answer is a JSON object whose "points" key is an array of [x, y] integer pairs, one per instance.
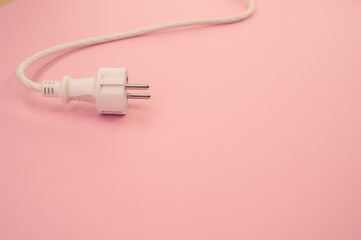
{"points": [[118, 36]]}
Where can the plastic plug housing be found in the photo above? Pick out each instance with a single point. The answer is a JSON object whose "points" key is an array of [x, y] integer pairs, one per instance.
{"points": [[108, 90]]}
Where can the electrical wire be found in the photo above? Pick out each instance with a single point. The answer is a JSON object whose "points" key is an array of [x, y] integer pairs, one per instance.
{"points": [[119, 36]]}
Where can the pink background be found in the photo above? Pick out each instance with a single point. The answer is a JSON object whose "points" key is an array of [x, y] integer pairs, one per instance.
{"points": [[253, 130]]}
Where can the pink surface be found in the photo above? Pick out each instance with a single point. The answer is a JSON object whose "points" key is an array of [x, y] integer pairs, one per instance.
{"points": [[253, 130]]}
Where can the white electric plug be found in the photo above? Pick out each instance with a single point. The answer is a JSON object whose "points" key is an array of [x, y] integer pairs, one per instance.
{"points": [[108, 90]]}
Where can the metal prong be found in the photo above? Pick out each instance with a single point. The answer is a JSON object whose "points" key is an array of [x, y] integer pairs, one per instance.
{"points": [[134, 86], [138, 96]]}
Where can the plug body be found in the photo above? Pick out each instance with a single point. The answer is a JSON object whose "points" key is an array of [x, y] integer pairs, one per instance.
{"points": [[108, 90]]}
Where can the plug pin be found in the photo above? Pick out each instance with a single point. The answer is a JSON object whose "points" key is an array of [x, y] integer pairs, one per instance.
{"points": [[134, 86], [138, 96]]}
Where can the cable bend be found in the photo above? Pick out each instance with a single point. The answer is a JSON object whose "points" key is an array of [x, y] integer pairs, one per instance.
{"points": [[119, 36]]}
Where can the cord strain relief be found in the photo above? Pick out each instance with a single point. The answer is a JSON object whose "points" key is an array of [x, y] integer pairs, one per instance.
{"points": [[50, 88]]}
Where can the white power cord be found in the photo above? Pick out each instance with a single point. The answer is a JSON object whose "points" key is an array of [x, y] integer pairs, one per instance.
{"points": [[108, 89]]}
